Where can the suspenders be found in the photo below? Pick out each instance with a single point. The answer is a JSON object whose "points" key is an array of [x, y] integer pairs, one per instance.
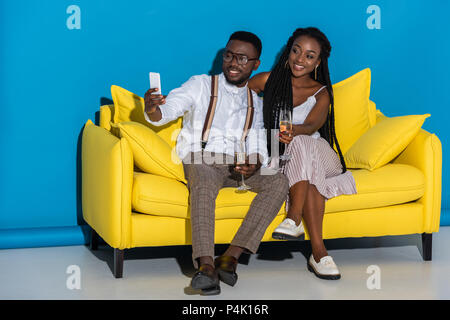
{"points": [[212, 110]]}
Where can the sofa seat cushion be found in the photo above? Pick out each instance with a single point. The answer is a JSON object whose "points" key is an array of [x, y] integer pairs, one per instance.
{"points": [[389, 185], [162, 196]]}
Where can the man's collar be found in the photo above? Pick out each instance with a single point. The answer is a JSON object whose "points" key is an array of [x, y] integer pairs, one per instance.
{"points": [[231, 88]]}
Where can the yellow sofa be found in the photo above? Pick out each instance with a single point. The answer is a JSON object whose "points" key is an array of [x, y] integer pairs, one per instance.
{"points": [[129, 208]]}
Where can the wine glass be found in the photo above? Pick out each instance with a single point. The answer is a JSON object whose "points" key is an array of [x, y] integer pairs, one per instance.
{"points": [[239, 158], [285, 125]]}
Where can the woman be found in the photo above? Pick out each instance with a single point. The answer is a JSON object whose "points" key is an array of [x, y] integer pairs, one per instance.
{"points": [[300, 81]]}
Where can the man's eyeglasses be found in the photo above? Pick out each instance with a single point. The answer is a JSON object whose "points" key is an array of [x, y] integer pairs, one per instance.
{"points": [[241, 59]]}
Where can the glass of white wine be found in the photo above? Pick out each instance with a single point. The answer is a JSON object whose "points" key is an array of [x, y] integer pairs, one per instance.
{"points": [[285, 125], [239, 159]]}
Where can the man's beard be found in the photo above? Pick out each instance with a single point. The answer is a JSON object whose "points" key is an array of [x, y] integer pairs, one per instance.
{"points": [[242, 80]]}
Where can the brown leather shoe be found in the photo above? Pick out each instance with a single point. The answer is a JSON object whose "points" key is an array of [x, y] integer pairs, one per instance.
{"points": [[207, 279], [226, 268]]}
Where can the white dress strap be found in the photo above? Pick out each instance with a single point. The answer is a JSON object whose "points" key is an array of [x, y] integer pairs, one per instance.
{"points": [[319, 90]]}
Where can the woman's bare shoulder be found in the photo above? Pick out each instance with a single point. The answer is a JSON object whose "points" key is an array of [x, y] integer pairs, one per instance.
{"points": [[323, 96], [258, 81]]}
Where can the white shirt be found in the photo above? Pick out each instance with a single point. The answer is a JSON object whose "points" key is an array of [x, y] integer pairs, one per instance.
{"points": [[191, 101]]}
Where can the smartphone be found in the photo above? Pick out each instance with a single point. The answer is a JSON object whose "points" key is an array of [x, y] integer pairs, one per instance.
{"points": [[155, 82]]}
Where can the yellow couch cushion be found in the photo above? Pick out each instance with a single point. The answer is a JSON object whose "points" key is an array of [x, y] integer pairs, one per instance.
{"points": [[151, 153], [389, 185], [162, 196], [383, 142], [148, 230], [351, 108], [130, 107]]}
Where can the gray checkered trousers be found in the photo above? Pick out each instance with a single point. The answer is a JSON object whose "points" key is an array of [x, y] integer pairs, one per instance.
{"points": [[204, 182]]}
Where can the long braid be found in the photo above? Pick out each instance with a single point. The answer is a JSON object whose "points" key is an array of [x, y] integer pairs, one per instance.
{"points": [[278, 90], [327, 131], [277, 94]]}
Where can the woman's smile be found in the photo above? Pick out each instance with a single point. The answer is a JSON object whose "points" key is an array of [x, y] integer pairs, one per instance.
{"points": [[298, 67]]}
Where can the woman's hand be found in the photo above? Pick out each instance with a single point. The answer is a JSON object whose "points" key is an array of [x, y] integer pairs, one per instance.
{"points": [[286, 136]]}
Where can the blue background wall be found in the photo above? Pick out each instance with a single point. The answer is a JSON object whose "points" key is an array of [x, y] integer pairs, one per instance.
{"points": [[52, 79]]}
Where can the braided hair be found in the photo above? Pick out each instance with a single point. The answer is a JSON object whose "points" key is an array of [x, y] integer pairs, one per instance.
{"points": [[278, 89]]}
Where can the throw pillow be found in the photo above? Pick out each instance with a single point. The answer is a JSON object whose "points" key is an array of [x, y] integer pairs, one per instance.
{"points": [[151, 153], [130, 107], [383, 142]]}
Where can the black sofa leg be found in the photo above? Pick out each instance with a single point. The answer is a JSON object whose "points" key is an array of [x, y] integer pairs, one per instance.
{"points": [[94, 240], [118, 263], [427, 240]]}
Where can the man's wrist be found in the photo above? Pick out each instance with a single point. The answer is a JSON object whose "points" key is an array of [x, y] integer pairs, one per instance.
{"points": [[154, 116]]}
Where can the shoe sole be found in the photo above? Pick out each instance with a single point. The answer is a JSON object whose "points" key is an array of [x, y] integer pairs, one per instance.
{"points": [[214, 290], [202, 282], [283, 236], [323, 276], [228, 278]]}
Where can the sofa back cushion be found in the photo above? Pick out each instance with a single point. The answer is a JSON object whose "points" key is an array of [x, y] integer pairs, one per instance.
{"points": [[353, 112]]}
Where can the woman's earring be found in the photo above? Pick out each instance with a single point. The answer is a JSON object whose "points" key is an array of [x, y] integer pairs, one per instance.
{"points": [[315, 73], [286, 65]]}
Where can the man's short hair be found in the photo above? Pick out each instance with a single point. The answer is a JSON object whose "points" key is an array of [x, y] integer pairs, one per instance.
{"points": [[248, 37]]}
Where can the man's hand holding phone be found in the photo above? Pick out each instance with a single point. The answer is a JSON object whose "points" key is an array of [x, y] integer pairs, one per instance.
{"points": [[153, 97], [152, 103]]}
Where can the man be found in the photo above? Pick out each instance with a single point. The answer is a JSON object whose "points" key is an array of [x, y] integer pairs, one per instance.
{"points": [[207, 166]]}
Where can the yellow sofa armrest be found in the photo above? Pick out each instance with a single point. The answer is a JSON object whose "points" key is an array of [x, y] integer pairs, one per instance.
{"points": [[107, 179], [425, 153]]}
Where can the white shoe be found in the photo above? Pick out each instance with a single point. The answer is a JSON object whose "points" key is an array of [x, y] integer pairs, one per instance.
{"points": [[288, 230], [325, 269]]}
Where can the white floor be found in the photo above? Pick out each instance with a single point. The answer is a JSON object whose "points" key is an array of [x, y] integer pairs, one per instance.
{"points": [[278, 271]]}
